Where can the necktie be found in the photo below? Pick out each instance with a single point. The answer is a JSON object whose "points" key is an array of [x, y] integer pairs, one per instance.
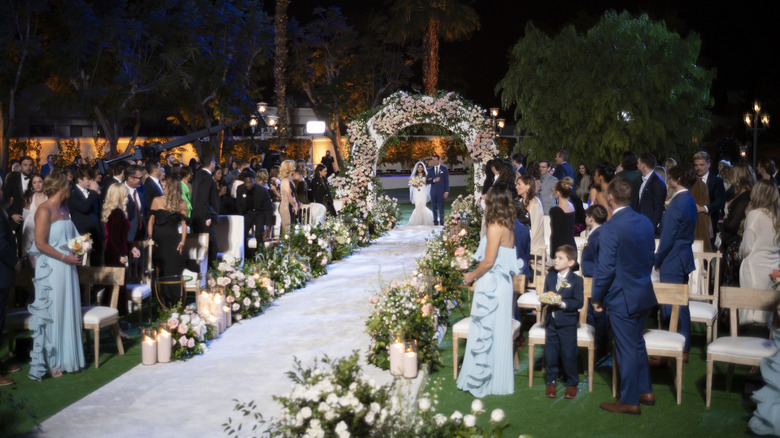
{"points": [[137, 210]]}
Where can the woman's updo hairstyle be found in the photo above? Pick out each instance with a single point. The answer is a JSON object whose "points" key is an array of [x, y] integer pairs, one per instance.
{"points": [[564, 187]]}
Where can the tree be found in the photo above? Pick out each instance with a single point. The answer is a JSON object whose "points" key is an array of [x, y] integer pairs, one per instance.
{"points": [[627, 84], [432, 20], [280, 70]]}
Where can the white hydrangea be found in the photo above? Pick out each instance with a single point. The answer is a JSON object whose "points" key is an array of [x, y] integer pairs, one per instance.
{"points": [[497, 416], [469, 420], [477, 407]]}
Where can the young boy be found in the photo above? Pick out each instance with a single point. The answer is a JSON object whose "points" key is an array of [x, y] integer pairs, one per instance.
{"points": [[561, 321]]}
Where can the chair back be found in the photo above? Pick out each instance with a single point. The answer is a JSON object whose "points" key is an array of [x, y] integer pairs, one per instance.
{"points": [[587, 294], [317, 213], [103, 276], [229, 231], [707, 272], [674, 294], [305, 214], [537, 260], [196, 247], [518, 283], [735, 298]]}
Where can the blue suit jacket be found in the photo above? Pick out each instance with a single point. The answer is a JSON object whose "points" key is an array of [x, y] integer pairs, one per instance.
{"points": [[622, 278], [523, 246], [674, 256], [652, 201], [572, 296], [135, 233], [441, 187], [590, 254], [563, 170]]}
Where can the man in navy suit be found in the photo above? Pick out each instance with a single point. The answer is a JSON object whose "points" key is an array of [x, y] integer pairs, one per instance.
{"points": [[48, 167], [153, 184], [595, 216], [8, 265], [652, 192], [205, 204], [563, 168], [84, 204], [674, 258], [13, 193], [622, 285], [439, 179], [715, 188], [136, 203]]}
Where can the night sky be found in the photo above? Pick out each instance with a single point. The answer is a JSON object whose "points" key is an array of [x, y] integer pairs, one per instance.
{"points": [[738, 39]]}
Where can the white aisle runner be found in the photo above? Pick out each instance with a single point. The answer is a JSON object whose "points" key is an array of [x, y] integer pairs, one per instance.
{"points": [[251, 359]]}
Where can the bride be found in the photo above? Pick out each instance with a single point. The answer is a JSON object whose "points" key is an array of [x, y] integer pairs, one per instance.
{"points": [[420, 194]]}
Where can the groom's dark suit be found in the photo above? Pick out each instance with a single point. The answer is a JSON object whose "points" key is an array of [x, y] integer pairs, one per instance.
{"points": [[622, 284], [438, 189]]}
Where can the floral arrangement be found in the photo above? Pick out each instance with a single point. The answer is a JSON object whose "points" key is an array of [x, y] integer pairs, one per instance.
{"points": [[550, 298], [774, 276], [356, 224], [311, 243], [417, 181], [341, 242], [80, 245], [286, 269], [245, 295], [189, 332], [369, 131], [338, 400], [385, 214], [404, 307]]}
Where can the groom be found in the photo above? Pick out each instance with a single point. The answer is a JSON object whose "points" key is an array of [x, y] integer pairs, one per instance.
{"points": [[439, 179]]}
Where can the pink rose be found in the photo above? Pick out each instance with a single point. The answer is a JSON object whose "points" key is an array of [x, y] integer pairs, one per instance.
{"points": [[183, 341], [182, 329], [190, 343], [173, 323], [394, 284], [463, 263], [459, 251], [373, 299]]}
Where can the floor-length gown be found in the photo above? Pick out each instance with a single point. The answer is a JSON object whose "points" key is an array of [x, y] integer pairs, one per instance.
{"points": [[422, 215], [760, 255], [561, 229], [167, 237], [488, 363], [56, 311], [287, 202], [766, 417]]}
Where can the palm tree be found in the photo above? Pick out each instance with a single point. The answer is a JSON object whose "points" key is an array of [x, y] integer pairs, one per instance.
{"points": [[280, 70], [433, 20]]}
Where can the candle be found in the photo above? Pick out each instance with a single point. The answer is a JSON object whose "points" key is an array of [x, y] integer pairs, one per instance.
{"points": [[149, 348], [396, 357], [218, 310], [204, 301], [216, 322], [228, 315], [410, 363], [163, 345]]}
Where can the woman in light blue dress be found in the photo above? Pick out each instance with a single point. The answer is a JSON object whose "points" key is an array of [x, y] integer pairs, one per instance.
{"points": [[56, 311], [487, 363]]}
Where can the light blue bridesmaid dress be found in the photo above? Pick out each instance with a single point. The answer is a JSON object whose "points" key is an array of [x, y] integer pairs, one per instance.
{"points": [[56, 311], [488, 362]]}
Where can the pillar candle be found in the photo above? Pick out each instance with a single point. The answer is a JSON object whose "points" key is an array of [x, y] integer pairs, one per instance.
{"points": [[149, 351], [396, 358], [410, 364], [204, 301], [216, 322], [164, 346], [228, 315]]}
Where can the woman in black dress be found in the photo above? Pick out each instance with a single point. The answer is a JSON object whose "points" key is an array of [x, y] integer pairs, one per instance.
{"points": [[562, 217], [319, 189], [742, 180], [168, 212]]}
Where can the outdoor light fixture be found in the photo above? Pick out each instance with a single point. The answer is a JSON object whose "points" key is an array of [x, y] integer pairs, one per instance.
{"points": [[498, 124], [501, 123], [752, 120], [494, 112], [262, 122], [315, 127], [262, 107]]}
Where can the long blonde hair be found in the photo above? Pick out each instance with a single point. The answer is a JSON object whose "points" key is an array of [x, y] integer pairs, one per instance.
{"points": [[116, 197], [764, 196], [286, 169]]}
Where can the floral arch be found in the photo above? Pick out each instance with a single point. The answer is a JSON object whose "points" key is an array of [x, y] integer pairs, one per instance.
{"points": [[368, 133]]}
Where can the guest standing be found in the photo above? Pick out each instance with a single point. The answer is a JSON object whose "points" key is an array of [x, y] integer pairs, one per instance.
{"points": [[55, 319], [716, 192], [563, 168], [704, 231], [487, 363], [583, 188], [622, 285], [205, 204], [185, 175], [562, 217], [255, 204], [320, 191], [168, 226], [522, 233], [547, 183], [602, 176], [33, 198], [596, 216], [630, 173], [327, 161], [301, 186], [526, 189], [742, 181], [288, 207], [49, 166], [13, 193], [652, 192], [760, 247], [8, 266], [84, 206], [439, 180]]}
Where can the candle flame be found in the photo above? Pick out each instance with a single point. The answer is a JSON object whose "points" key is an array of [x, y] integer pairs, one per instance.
{"points": [[462, 232], [164, 332], [148, 340]]}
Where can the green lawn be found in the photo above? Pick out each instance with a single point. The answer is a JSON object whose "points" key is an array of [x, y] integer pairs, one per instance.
{"points": [[530, 412]]}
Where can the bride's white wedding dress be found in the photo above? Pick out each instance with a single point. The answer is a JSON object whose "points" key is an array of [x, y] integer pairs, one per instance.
{"points": [[422, 215]]}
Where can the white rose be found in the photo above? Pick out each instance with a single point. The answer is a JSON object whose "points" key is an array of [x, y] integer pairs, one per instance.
{"points": [[477, 407], [424, 404], [456, 416], [342, 430], [369, 418], [496, 416], [440, 419], [469, 420]]}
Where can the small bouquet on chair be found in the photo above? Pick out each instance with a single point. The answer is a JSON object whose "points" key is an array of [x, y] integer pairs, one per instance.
{"points": [[81, 245], [550, 298]]}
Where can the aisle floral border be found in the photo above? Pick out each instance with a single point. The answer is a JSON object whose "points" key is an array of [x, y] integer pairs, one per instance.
{"points": [[368, 133]]}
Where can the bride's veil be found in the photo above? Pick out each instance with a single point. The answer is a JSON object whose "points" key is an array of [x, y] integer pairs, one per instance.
{"points": [[425, 175]]}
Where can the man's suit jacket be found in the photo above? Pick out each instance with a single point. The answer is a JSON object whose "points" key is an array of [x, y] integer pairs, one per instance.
{"points": [[717, 192], [8, 257], [635, 179], [563, 170], [523, 246], [152, 190], [85, 213], [46, 169], [258, 202], [622, 278], [205, 200], [674, 257], [108, 181], [571, 295], [441, 187], [651, 201], [13, 194], [590, 254], [137, 222]]}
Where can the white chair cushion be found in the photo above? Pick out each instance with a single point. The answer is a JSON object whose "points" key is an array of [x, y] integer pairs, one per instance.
{"points": [[139, 291], [537, 331], [528, 299], [516, 326], [743, 346], [461, 328], [96, 314], [702, 311], [194, 275], [18, 320], [586, 333], [664, 340]]}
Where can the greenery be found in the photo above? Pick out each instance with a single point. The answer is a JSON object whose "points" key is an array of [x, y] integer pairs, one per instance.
{"points": [[189, 331], [628, 83]]}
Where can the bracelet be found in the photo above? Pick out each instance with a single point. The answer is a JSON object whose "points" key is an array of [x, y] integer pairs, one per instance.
{"points": [[181, 243]]}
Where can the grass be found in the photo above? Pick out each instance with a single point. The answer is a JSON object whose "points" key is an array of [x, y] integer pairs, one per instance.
{"points": [[529, 412]]}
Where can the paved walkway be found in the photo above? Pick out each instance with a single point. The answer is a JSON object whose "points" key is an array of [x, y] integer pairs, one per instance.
{"points": [[249, 361]]}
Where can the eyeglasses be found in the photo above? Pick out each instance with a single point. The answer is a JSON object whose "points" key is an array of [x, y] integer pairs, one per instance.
{"points": [[132, 176]]}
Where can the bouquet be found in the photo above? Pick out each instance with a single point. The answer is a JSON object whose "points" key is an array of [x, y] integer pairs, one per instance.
{"points": [[189, 332], [463, 259], [417, 181], [80, 245], [550, 298]]}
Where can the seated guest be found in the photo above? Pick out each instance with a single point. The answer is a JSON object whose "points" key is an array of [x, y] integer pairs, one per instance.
{"points": [[84, 206], [255, 204]]}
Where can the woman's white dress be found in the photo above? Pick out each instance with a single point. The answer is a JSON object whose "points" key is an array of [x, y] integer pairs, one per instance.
{"points": [[760, 254], [422, 215]]}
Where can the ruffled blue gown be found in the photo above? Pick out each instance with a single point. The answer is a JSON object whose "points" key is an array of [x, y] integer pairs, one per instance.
{"points": [[488, 363], [766, 417], [56, 311]]}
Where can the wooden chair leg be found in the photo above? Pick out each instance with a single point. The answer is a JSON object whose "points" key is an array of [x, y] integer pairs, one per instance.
{"points": [[454, 357], [709, 332], [591, 361], [678, 379], [708, 385], [119, 345], [729, 377], [96, 334], [530, 363]]}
